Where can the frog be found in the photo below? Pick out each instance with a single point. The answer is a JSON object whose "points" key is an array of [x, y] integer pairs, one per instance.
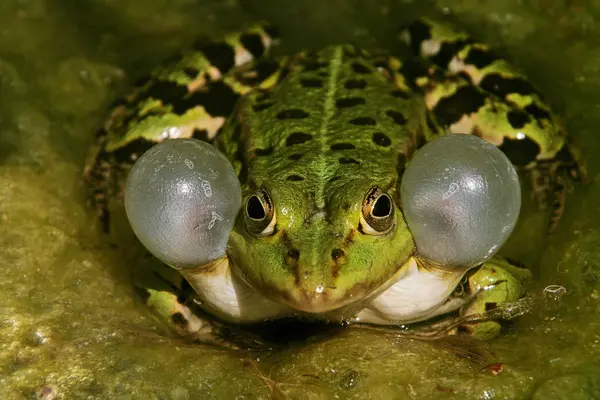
{"points": [[319, 141]]}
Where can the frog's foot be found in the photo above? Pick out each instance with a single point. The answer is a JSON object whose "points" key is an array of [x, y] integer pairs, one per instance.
{"points": [[495, 283], [171, 299], [184, 322]]}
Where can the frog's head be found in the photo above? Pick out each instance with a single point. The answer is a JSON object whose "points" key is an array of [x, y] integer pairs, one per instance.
{"points": [[319, 246], [320, 224]]}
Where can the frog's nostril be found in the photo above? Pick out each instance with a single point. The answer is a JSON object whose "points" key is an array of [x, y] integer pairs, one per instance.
{"points": [[293, 254], [336, 254]]}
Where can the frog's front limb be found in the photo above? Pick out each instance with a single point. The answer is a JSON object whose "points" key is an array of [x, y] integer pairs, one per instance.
{"points": [[422, 291], [223, 292], [418, 291], [162, 289], [496, 282], [182, 298]]}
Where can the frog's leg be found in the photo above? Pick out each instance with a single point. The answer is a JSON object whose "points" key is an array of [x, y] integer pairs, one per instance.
{"points": [[191, 97], [170, 297], [496, 282], [469, 89]]}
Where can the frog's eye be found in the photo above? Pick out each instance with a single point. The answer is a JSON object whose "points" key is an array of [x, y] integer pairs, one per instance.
{"points": [[377, 216], [260, 214]]}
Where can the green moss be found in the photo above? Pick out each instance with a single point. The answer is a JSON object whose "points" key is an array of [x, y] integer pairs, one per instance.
{"points": [[70, 322]]}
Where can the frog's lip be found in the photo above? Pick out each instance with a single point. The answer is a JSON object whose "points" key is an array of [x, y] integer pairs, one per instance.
{"points": [[320, 299]]}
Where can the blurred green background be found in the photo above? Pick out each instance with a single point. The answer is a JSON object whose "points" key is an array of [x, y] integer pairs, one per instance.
{"points": [[70, 325]]}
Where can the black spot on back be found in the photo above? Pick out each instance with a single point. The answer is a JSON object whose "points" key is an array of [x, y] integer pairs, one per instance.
{"points": [[466, 100], [359, 68], [480, 57], [311, 83], [297, 138], [218, 100], [294, 178], [447, 51], [342, 146], [397, 116], [502, 86], [412, 69], [191, 73], [381, 139], [349, 102], [348, 160], [355, 84], [401, 94], [200, 134], [518, 118], [537, 112], [313, 65], [362, 121], [295, 157], [419, 31], [165, 91], [262, 70], [292, 113], [520, 152], [253, 43], [219, 54]]}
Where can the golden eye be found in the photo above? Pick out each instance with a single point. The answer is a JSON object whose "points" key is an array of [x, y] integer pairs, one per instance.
{"points": [[377, 216], [260, 214]]}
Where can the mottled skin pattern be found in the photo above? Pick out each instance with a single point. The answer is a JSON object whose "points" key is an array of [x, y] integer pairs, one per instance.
{"points": [[320, 141]]}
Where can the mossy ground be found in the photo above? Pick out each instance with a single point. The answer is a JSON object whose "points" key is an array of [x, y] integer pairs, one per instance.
{"points": [[70, 324]]}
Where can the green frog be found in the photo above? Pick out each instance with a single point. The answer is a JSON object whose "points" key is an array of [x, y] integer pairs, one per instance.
{"points": [[320, 141]]}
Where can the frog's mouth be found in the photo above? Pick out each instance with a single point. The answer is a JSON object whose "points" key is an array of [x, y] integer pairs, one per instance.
{"points": [[317, 298], [223, 291]]}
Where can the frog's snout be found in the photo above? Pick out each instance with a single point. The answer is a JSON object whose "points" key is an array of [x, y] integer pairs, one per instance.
{"points": [[315, 287]]}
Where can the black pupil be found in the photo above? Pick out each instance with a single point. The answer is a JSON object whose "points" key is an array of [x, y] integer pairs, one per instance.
{"points": [[255, 209], [382, 206]]}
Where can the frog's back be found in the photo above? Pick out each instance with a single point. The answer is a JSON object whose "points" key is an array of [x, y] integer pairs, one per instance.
{"points": [[335, 116]]}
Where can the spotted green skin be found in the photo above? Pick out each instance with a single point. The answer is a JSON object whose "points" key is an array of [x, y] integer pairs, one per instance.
{"points": [[315, 136], [317, 131]]}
